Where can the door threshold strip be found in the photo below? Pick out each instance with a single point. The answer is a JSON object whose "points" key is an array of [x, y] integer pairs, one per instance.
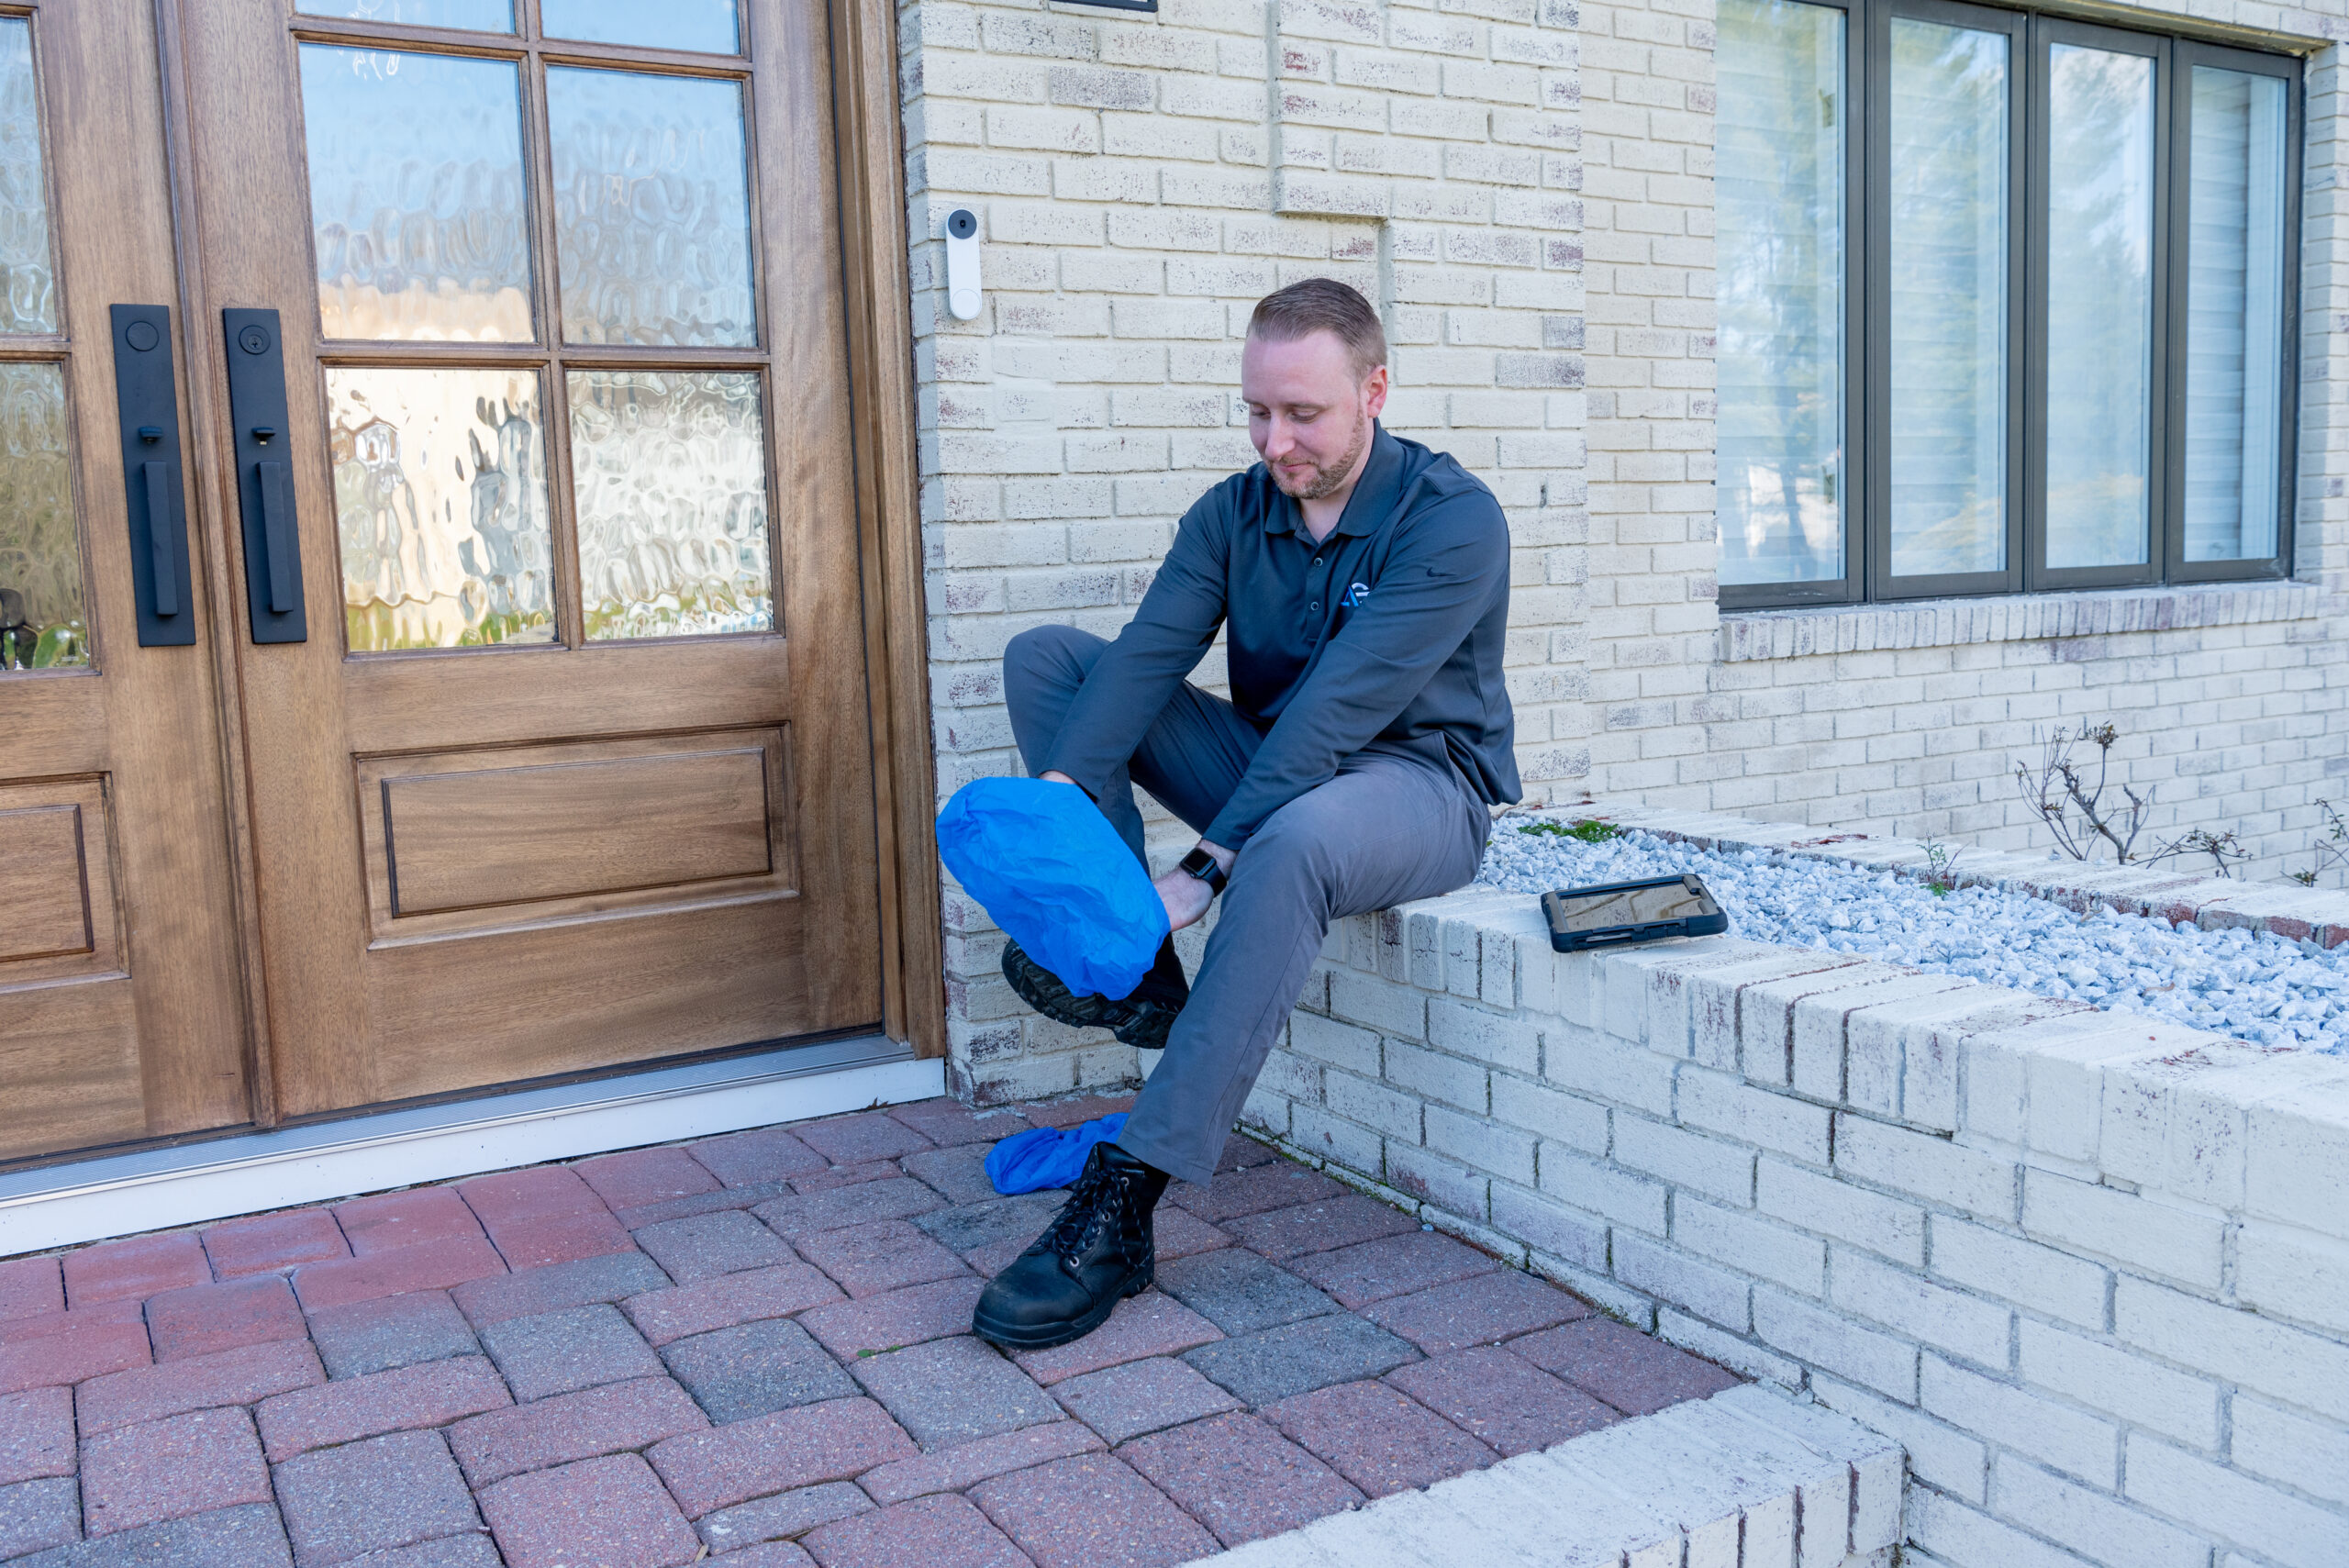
{"points": [[158, 1189]]}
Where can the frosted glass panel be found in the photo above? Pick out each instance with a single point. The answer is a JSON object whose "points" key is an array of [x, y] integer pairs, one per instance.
{"points": [[2100, 306], [40, 554], [1779, 187], [28, 268], [477, 16], [440, 506], [417, 197], [676, 24], [1949, 216], [669, 467], [652, 209], [2234, 317]]}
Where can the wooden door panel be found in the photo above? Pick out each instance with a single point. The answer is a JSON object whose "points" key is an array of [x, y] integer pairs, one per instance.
{"points": [[44, 884], [491, 837], [575, 996], [443, 701], [473, 841], [70, 1055]]}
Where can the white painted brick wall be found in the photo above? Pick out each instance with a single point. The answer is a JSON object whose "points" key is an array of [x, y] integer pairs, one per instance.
{"points": [[2086, 1367], [1909, 721], [1141, 180]]}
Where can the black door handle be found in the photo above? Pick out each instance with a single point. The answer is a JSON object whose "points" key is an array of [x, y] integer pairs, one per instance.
{"points": [[157, 477], [148, 402], [278, 537], [264, 483]]}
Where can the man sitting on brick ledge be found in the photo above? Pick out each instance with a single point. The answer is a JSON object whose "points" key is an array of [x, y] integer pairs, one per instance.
{"points": [[1364, 581]]}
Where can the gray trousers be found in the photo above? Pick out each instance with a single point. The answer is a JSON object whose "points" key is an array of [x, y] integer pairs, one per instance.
{"points": [[1391, 827]]}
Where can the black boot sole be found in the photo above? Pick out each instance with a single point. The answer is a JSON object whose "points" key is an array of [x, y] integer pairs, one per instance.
{"points": [[1033, 1338], [1142, 1023]]}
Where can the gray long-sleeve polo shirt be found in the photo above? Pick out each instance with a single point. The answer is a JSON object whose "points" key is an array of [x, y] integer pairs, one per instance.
{"points": [[1388, 632]]}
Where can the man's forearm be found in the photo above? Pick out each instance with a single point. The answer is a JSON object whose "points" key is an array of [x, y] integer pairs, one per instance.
{"points": [[1223, 857]]}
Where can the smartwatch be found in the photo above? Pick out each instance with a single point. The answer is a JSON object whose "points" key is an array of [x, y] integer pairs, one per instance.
{"points": [[1202, 864]]}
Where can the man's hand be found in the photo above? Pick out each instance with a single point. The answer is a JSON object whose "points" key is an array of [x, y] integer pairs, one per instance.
{"points": [[1185, 896], [1056, 777]]}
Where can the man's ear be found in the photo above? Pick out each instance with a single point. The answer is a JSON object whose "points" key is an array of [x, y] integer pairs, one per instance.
{"points": [[1373, 391]]}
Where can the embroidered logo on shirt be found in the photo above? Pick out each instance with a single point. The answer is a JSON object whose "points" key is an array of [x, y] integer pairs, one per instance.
{"points": [[1355, 595]]}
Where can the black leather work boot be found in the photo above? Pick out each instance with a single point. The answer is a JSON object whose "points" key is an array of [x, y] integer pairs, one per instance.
{"points": [[1098, 1252], [1141, 1017]]}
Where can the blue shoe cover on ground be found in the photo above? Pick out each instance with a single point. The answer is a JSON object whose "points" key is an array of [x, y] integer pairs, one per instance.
{"points": [[1046, 1156], [1044, 862]]}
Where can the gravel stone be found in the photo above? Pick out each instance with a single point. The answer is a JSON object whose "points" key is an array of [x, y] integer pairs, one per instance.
{"points": [[2262, 988]]}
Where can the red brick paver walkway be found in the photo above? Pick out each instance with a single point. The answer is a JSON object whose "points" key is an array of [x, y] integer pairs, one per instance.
{"points": [[755, 1349]]}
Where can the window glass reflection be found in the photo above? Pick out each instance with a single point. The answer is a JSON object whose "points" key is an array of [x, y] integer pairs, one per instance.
{"points": [[705, 25], [2234, 317], [42, 625], [473, 16], [2100, 306], [1779, 187], [652, 209], [440, 507], [1948, 318], [670, 472], [28, 268], [418, 202]]}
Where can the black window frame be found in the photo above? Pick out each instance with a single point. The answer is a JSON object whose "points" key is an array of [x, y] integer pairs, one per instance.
{"points": [[1865, 473]]}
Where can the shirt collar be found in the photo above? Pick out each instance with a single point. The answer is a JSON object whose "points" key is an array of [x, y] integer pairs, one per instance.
{"points": [[1374, 496]]}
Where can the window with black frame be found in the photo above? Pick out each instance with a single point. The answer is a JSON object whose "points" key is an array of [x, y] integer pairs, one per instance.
{"points": [[2006, 304]]}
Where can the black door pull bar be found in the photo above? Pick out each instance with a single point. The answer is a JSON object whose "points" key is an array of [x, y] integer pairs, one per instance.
{"points": [[146, 399], [273, 529]]}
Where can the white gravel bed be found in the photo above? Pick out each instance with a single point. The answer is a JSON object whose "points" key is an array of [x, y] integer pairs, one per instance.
{"points": [[2259, 988]]}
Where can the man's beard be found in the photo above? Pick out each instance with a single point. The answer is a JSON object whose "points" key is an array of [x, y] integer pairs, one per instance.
{"points": [[1327, 477]]}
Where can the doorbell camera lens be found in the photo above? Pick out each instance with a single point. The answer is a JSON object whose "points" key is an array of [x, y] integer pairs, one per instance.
{"points": [[962, 224]]}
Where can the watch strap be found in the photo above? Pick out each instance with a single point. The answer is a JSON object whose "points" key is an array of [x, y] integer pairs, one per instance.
{"points": [[1202, 864]]}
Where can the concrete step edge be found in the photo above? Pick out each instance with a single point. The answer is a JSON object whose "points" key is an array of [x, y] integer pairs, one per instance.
{"points": [[1749, 1478]]}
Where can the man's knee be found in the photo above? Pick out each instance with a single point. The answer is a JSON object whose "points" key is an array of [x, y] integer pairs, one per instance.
{"points": [[1044, 659]]}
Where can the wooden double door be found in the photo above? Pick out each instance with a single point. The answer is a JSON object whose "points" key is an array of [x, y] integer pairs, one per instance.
{"points": [[432, 650]]}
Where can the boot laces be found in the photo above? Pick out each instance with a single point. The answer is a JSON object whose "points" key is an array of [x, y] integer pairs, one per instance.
{"points": [[1100, 1193]]}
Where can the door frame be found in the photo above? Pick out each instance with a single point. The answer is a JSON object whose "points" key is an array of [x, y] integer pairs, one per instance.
{"points": [[867, 144]]}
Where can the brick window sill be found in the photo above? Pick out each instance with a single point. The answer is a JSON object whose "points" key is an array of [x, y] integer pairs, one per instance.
{"points": [[1748, 635]]}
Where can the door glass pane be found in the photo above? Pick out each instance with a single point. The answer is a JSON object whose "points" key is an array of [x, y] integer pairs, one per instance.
{"points": [[678, 24], [25, 263], [1948, 230], [2100, 306], [440, 505], [652, 209], [416, 198], [2234, 317], [670, 472], [476, 15], [1780, 183], [40, 555]]}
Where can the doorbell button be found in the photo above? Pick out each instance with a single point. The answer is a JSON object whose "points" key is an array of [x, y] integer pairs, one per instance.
{"points": [[962, 264]]}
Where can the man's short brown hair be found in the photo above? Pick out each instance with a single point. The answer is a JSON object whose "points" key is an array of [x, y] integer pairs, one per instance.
{"points": [[1322, 305]]}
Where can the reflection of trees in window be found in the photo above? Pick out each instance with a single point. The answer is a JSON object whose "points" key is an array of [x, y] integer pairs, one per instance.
{"points": [[2099, 306], [1948, 318], [1779, 191]]}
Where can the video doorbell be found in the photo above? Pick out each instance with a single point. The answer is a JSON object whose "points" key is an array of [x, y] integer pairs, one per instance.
{"points": [[962, 264]]}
